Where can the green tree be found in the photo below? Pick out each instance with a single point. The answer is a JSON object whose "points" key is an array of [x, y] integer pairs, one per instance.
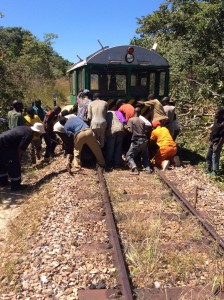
{"points": [[190, 34], [28, 67]]}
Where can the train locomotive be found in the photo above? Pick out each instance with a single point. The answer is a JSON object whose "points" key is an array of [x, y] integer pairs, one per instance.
{"points": [[128, 72]]}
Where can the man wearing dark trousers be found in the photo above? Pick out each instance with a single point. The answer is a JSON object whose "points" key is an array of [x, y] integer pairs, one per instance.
{"points": [[13, 143]]}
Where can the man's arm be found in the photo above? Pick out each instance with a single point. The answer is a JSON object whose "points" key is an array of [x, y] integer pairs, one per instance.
{"points": [[89, 112], [130, 125]]}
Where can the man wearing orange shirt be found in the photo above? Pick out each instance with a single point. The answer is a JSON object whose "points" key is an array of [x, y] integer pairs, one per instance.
{"points": [[126, 109], [167, 147]]}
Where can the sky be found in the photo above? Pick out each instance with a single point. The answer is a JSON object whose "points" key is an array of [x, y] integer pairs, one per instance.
{"points": [[78, 23]]}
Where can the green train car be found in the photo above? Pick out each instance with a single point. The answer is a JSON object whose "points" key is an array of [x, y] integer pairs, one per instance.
{"points": [[128, 72]]}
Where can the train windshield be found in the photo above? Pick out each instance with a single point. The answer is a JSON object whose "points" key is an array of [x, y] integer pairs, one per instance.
{"points": [[108, 83], [135, 82]]}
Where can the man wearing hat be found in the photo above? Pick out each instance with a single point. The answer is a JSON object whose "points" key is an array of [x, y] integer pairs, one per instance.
{"points": [[13, 143]]}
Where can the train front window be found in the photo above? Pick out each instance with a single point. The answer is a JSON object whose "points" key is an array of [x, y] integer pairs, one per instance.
{"points": [[139, 83], [108, 83], [94, 82]]}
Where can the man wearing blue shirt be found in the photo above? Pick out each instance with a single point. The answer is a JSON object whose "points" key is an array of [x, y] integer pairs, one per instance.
{"points": [[39, 110], [83, 135]]}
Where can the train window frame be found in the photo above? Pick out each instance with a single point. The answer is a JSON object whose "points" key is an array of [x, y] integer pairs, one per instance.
{"points": [[71, 83], [162, 83], [152, 83], [80, 78]]}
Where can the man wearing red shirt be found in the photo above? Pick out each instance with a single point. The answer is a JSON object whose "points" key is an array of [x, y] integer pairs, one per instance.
{"points": [[126, 109]]}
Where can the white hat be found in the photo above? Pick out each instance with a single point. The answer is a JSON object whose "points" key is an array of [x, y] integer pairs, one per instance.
{"points": [[38, 127]]}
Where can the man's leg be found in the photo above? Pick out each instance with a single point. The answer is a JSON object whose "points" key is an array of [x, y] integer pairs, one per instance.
{"points": [[3, 175], [217, 148], [102, 135], [110, 149], [37, 146], [119, 136], [131, 154], [209, 158], [79, 141], [32, 152], [47, 139], [14, 171], [91, 142], [145, 155]]}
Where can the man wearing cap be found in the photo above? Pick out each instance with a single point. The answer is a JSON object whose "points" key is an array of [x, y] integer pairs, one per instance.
{"points": [[167, 147], [83, 101], [13, 143]]}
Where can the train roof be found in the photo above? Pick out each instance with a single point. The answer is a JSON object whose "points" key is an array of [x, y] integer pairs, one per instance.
{"points": [[116, 55]]}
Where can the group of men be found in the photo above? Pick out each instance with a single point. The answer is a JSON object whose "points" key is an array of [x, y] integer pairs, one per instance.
{"points": [[114, 137]]}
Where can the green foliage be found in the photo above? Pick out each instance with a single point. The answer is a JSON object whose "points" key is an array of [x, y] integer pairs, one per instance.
{"points": [[29, 68], [190, 34]]}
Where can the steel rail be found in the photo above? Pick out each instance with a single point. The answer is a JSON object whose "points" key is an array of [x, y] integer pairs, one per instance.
{"points": [[184, 202], [123, 278]]}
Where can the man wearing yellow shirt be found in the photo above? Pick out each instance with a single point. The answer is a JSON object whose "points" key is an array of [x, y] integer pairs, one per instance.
{"points": [[167, 147], [35, 145]]}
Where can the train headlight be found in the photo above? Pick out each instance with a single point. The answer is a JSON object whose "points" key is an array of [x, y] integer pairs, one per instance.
{"points": [[129, 57]]}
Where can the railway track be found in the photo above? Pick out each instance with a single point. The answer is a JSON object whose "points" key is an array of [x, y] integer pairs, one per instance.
{"points": [[178, 293], [75, 255]]}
